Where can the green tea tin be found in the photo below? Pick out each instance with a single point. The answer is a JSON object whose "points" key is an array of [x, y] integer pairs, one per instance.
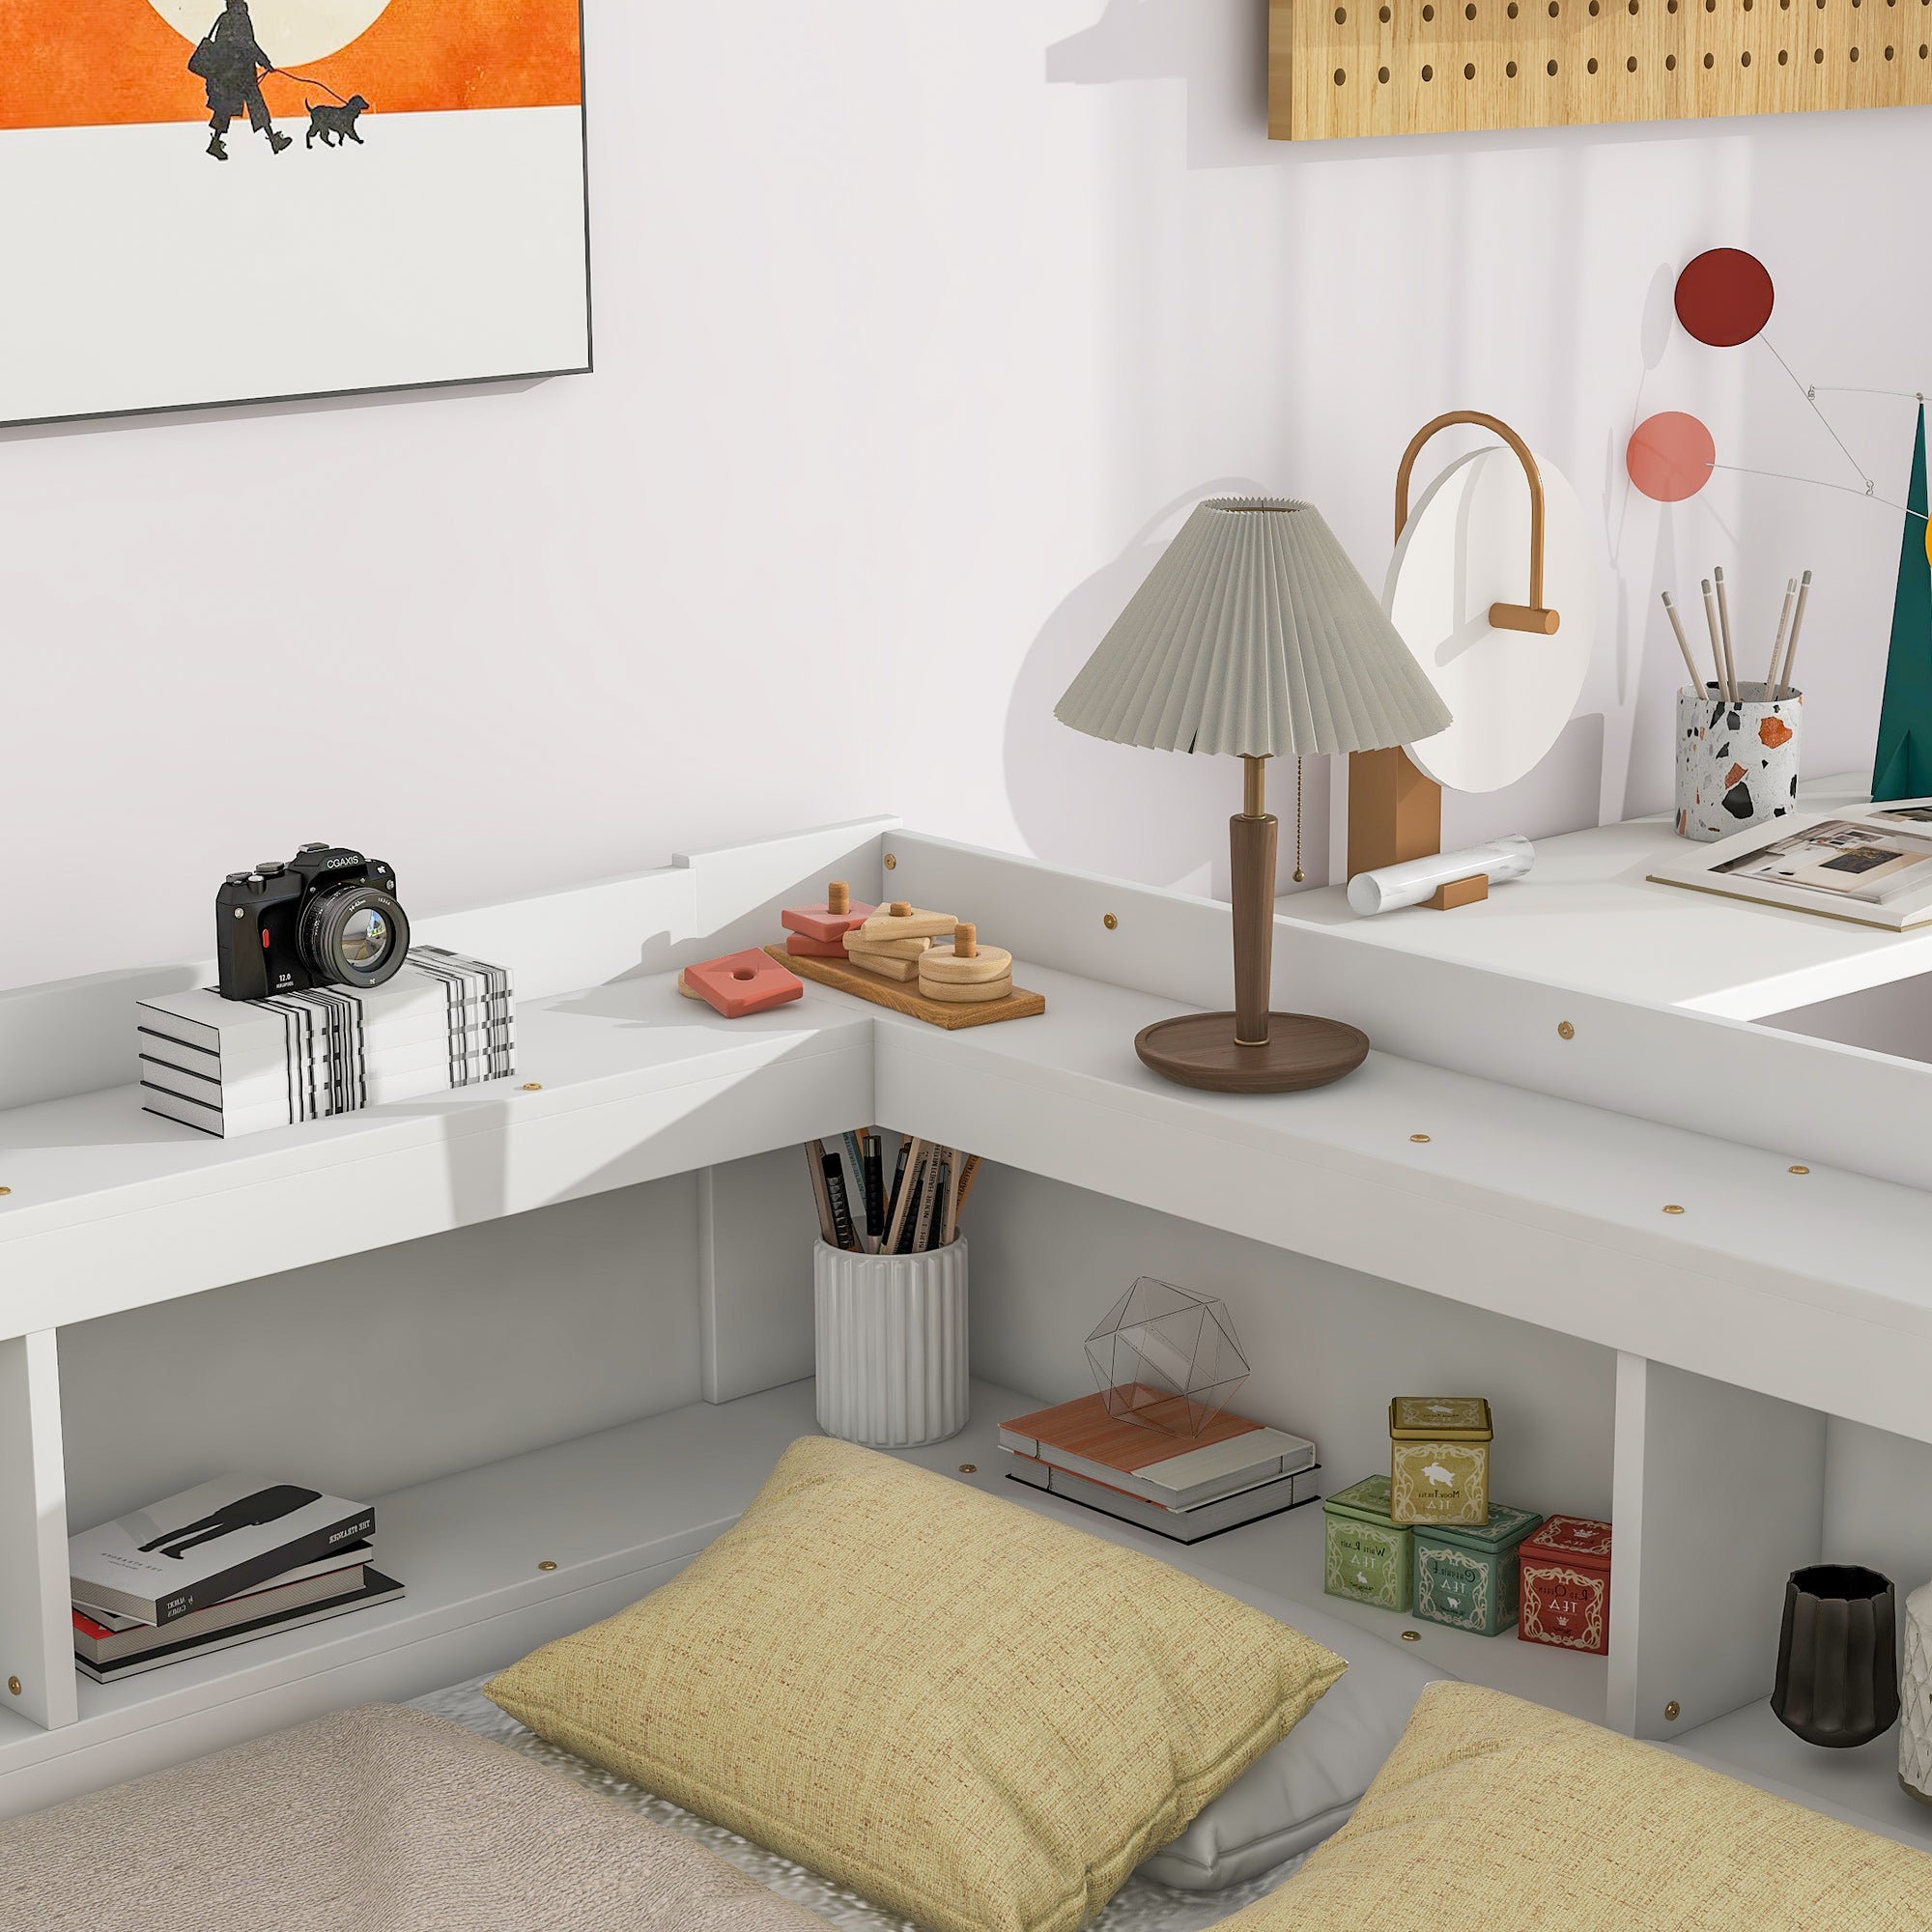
{"points": [[1440, 1459], [1368, 1553], [1469, 1578]]}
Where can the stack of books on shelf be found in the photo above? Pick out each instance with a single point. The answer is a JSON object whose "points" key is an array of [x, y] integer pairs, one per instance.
{"points": [[1182, 1485], [222, 1563], [238, 1066]]}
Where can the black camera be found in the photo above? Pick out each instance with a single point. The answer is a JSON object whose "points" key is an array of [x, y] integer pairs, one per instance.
{"points": [[326, 918]]}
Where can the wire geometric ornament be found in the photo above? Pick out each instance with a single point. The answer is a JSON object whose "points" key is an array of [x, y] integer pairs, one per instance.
{"points": [[1166, 1359]]}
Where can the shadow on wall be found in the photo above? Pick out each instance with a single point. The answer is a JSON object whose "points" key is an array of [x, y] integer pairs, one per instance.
{"points": [[1157, 817], [1219, 51]]}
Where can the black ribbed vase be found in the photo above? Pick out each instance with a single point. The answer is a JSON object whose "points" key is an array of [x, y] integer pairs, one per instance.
{"points": [[1837, 1656]]}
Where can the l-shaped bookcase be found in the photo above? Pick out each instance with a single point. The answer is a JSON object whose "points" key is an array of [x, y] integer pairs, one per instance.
{"points": [[1487, 1197]]}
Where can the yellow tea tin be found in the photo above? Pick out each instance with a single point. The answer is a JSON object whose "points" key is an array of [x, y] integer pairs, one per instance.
{"points": [[1440, 1459]]}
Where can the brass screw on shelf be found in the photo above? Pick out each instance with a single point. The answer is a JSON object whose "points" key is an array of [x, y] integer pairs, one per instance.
{"points": [[1673, 1208], [969, 1468], [1109, 920], [13, 1686], [1411, 1637], [546, 1564], [532, 1086], [892, 863], [1791, 1170], [1419, 1138], [1565, 1031], [6, 1190], [1673, 1711]]}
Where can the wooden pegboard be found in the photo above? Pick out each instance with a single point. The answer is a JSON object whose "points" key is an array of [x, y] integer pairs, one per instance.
{"points": [[1419, 67]]}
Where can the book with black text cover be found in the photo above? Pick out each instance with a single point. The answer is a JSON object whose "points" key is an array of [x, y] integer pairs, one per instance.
{"points": [[209, 1543]]}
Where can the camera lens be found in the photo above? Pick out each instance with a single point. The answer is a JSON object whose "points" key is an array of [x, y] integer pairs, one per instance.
{"points": [[355, 936], [365, 937]]}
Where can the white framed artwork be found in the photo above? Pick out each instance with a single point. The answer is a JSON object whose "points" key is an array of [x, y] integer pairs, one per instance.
{"points": [[223, 201]]}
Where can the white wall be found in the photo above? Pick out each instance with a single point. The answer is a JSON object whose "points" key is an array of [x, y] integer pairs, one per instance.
{"points": [[918, 327]]}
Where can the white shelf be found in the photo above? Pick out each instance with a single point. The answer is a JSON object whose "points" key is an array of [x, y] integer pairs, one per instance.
{"points": [[1860, 1786], [112, 1208], [1588, 917], [1542, 1209], [616, 1511], [619, 1511]]}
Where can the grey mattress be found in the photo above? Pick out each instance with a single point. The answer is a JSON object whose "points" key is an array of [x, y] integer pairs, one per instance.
{"points": [[1140, 1906]]}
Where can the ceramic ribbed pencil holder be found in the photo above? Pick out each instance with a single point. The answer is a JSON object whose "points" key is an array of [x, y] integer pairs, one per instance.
{"points": [[892, 1345], [1737, 764]]}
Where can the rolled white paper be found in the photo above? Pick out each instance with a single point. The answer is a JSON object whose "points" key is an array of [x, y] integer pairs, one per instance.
{"points": [[1419, 879]]}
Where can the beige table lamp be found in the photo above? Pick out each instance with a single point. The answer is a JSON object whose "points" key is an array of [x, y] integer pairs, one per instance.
{"points": [[1254, 635]]}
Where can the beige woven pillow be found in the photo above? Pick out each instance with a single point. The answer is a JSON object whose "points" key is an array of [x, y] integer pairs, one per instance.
{"points": [[969, 1713], [1492, 1813]]}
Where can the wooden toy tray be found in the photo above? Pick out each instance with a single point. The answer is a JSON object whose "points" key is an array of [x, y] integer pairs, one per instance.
{"points": [[1018, 1004]]}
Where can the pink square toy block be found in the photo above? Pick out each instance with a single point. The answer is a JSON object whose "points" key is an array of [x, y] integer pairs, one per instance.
{"points": [[743, 982], [840, 915]]}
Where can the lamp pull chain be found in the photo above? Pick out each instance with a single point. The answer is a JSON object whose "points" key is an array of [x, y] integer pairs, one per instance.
{"points": [[1299, 874]]}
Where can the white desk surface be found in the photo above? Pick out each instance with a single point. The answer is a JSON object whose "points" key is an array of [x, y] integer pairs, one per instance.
{"points": [[1587, 917]]}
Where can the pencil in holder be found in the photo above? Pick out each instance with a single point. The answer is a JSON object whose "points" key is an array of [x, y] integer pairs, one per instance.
{"points": [[891, 1336], [1737, 764]]}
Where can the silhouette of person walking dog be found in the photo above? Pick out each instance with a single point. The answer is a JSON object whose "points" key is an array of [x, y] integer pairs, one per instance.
{"points": [[230, 62]]}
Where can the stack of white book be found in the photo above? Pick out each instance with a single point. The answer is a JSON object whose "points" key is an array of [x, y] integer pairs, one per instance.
{"points": [[222, 1563], [236, 1066], [1186, 1485]]}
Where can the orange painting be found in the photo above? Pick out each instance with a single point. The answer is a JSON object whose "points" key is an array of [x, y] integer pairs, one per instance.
{"points": [[112, 62]]}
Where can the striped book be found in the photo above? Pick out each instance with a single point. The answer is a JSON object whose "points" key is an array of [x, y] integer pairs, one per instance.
{"points": [[239, 1066]]}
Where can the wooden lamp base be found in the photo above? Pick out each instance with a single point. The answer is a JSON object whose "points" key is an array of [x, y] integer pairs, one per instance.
{"points": [[1252, 1050], [1300, 1051]]}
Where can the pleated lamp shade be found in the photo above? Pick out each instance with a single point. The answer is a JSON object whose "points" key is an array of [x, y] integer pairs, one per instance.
{"points": [[1254, 635]]}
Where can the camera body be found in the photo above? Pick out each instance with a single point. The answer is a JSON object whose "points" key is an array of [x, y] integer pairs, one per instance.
{"points": [[328, 916]]}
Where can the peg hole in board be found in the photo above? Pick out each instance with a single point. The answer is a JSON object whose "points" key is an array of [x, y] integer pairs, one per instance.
{"points": [[1818, 55], [1382, 76], [1383, 17], [1429, 73], [1555, 9], [1784, 56], [1470, 11], [1744, 59], [1340, 74], [1710, 60], [1890, 53], [1596, 7], [1429, 13], [1470, 71], [1341, 16], [1512, 9], [1551, 69], [1670, 62], [1590, 66], [1509, 70], [1630, 66]]}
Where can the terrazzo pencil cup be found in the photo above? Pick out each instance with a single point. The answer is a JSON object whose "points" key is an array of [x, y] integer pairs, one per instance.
{"points": [[1737, 764]]}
